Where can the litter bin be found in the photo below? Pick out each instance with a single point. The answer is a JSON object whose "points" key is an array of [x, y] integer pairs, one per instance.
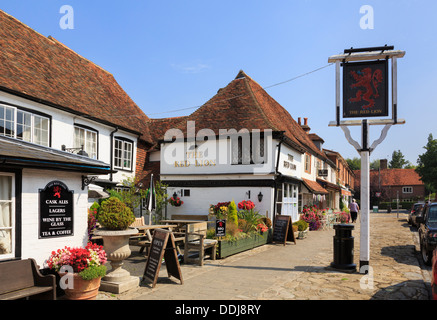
{"points": [[343, 248]]}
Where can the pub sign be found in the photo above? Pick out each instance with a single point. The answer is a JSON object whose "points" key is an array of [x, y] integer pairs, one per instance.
{"points": [[365, 89], [55, 211]]}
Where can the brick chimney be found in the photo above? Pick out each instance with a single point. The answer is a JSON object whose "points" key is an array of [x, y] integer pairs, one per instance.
{"points": [[383, 164], [305, 126]]}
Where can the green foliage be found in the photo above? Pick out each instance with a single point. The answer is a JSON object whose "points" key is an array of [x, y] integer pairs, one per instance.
{"points": [[427, 164], [115, 215], [354, 164], [233, 213], [95, 207], [93, 272], [161, 199], [302, 225], [398, 160], [248, 220], [131, 194]]}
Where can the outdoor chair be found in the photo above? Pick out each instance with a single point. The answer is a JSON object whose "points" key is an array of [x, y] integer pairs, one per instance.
{"points": [[196, 245]]}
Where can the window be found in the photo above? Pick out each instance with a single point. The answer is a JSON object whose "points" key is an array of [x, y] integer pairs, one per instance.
{"points": [[307, 163], [287, 200], [123, 151], [249, 151], [86, 138], [407, 189], [24, 125], [7, 221]]}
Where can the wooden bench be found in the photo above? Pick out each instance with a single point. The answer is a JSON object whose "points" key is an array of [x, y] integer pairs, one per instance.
{"points": [[195, 240], [21, 279]]}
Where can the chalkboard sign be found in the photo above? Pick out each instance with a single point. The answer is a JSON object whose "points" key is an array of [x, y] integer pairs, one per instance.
{"points": [[220, 228], [283, 230], [55, 211], [163, 246]]}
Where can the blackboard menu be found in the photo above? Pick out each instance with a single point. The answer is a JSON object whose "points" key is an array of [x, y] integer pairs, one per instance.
{"points": [[283, 230], [55, 211], [163, 246]]}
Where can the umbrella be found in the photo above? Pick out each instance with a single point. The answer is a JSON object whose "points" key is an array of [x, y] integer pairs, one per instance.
{"points": [[151, 199]]}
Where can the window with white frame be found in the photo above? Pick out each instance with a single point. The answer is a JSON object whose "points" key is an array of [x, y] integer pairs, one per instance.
{"points": [[307, 163], [7, 216], [407, 189], [123, 152], [24, 125], [287, 200], [87, 139]]}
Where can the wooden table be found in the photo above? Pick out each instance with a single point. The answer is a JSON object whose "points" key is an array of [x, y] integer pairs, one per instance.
{"points": [[138, 239], [181, 222]]}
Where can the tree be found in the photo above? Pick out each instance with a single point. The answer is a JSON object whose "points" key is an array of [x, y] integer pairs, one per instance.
{"points": [[354, 164], [374, 165], [427, 164], [398, 160]]}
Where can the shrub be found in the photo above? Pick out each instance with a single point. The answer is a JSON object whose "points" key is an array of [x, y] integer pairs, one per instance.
{"points": [[115, 215], [302, 225], [233, 213], [266, 221]]}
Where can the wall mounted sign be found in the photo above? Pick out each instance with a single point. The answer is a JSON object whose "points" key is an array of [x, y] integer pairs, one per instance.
{"points": [[55, 211], [365, 89]]}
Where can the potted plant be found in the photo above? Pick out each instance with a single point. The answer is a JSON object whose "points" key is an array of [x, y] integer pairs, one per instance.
{"points": [[80, 269], [115, 218], [302, 228]]}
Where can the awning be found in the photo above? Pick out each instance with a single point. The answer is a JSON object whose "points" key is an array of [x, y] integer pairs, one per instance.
{"points": [[314, 187], [19, 153], [97, 192]]}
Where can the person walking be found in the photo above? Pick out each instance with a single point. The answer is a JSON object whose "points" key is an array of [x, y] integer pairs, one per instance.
{"points": [[354, 210]]}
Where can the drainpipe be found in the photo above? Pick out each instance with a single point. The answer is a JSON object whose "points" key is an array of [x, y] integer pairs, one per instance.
{"points": [[275, 194], [111, 160]]}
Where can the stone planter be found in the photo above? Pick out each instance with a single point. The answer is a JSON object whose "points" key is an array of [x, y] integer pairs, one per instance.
{"points": [[303, 234], [227, 248], [116, 245]]}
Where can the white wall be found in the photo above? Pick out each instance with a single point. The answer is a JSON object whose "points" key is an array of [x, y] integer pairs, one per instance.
{"points": [[200, 199], [40, 249]]}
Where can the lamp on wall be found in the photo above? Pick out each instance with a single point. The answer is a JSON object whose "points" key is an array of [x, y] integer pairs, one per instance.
{"points": [[260, 196]]}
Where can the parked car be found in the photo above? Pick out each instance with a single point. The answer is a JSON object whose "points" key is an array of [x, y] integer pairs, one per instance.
{"points": [[416, 210], [434, 276], [428, 232]]}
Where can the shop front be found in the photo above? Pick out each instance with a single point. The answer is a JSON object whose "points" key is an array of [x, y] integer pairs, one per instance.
{"points": [[43, 199]]}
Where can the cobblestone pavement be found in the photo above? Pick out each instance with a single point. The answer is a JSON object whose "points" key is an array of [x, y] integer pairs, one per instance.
{"points": [[301, 271]]}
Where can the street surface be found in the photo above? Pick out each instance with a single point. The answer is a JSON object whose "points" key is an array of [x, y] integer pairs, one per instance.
{"points": [[301, 271]]}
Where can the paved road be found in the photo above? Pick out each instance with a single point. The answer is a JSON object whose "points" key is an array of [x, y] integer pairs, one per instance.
{"points": [[300, 272]]}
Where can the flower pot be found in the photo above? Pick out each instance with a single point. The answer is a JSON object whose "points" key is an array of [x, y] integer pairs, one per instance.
{"points": [[81, 289], [303, 234], [116, 245]]}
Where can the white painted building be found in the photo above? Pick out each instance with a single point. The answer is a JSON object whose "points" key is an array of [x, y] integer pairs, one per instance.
{"points": [[205, 171], [64, 122]]}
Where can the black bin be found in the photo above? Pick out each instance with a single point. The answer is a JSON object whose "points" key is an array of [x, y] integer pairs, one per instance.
{"points": [[343, 248]]}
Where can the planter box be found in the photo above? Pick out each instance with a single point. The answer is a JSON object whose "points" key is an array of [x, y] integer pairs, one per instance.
{"points": [[227, 248]]}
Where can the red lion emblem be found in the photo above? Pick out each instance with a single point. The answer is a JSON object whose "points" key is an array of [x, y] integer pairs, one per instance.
{"points": [[364, 78], [57, 192]]}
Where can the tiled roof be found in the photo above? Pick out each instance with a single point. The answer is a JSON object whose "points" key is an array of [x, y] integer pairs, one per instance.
{"points": [[391, 177], [43, 69], [314, 187], [244, 104]]}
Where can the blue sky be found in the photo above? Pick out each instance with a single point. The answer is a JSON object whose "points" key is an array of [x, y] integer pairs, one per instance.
{"points": [[172, 55]]}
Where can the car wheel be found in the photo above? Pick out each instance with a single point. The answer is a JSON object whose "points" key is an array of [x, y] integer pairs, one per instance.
{"points": [[426, 255]]}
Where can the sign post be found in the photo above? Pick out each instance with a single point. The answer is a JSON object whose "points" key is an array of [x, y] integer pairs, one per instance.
{"points": [[366, 94]]}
